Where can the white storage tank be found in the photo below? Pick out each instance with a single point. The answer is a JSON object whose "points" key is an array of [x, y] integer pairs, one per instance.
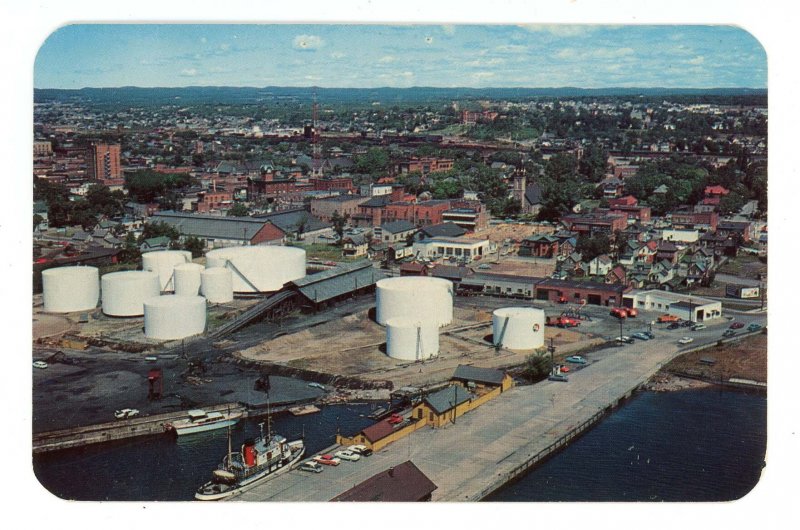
{"points": [[259, 268], [163, 262], [518, 328], [174, 317], [416, 297], [216, 284], [411, 340], [68, 289], [186, 278], [124, 292]]}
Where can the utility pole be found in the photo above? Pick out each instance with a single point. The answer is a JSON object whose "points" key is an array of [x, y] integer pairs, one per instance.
{"points": [[552, 350]]}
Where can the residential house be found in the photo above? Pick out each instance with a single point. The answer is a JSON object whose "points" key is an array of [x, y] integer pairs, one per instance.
{"points": [[616, 276], [354, 246], [540, 246], [394, 231], [600, 265]]}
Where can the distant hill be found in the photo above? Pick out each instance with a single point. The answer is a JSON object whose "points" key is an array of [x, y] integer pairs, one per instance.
{"points": [[250, 95]]}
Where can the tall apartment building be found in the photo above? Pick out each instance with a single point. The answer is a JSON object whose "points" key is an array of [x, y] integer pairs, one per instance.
{"points": [[104, 165]]}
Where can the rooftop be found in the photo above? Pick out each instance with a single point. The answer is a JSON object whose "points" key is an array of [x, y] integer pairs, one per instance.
{"points": [[401, 483]]}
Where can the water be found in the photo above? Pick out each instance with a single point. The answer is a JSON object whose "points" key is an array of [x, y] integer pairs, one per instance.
{"points": [[696, 445], [693, 445], [171, 469]]}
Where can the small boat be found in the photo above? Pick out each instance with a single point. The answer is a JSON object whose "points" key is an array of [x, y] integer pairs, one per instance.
{"points": [[200, 421], [303, 410], [377, 413], [259, 460]]}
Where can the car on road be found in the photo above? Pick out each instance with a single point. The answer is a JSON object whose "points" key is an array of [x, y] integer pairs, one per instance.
{"points": [[649, 334], [674, 325], [753, 327], [311, 467], [729, 333], [39, 364], [685, 340], [667, 318], [558, 377], [624, 339], [737, 325], [698, 327], [327, 460], [484, 266], [347, 455], [632, 312], [124, 414], [363, 450], [640, 336], [686, 323], [394, 419], [577, 359]]}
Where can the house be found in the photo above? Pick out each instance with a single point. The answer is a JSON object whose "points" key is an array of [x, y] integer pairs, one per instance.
{"points": [[600, 265], [155, 243], [394, 231], [616, 276], [401, 483], [482, 379], [354, 246], [667, 251], [540, 246], [413, 269], [661, 272]]}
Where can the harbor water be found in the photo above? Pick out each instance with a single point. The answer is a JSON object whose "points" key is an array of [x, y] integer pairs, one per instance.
{"points": [[692, 445]]}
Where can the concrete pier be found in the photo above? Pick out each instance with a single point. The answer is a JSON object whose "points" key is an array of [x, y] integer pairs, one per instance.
{"points": [[490, 446]]}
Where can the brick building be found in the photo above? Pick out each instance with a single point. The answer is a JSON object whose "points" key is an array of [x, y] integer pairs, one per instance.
{"points": [[213, 200], [420, 213], [425, 165], [593, 224], [343, 204], [343, 184], [103, 162], [703, 220]]}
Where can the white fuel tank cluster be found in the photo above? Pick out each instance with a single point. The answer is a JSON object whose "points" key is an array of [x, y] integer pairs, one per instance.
{"points": [[518, 328], [259, 268], [418, 298], [68, 289]]}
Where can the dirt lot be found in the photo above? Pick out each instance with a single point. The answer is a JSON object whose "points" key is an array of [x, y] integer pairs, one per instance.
{"points": [[746, 359], [355, 345], [523, 267], [516, 232]]}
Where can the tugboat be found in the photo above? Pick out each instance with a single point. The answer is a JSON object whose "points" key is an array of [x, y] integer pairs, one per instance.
{"points": [[259, 460]]}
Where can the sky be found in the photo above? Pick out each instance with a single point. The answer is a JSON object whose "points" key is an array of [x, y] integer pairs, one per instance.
{"points": [[585, 56]]}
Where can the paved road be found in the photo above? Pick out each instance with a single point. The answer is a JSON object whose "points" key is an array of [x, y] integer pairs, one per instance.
{"points": [[465, 458]]}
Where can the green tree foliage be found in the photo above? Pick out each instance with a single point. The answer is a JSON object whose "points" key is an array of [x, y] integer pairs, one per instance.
{"points": [[239, 210], [536, 368], [144, 186], [592, 246], [594, 163], [130, 250], [374, 162], [195, 245], [159, 229], [339, 221], [103, 201]]}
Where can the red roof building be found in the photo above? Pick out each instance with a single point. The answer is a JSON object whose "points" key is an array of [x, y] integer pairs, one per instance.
{"points": [[401, 483]]}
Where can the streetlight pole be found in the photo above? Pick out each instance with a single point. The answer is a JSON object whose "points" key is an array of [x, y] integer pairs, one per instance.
{"points": [[552, 350]]}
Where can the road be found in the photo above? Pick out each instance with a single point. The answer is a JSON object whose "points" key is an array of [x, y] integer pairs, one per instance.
{"points": [[469, 458]]}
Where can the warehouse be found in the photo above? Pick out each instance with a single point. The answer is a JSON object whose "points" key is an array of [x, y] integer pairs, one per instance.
{"points": [[401, 483], [346, 280], [221, 232], [576, 292], [687, 307], [452, 247]]}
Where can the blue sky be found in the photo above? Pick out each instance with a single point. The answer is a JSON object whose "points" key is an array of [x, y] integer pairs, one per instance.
{"points": [[585, 56]]}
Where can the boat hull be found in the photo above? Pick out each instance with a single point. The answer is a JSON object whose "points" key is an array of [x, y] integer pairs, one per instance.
{"points": [[206, 427], [216, 492]]}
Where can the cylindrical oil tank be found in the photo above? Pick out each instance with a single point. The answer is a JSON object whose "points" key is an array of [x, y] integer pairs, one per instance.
{"points": [[518, 328], [216, 284], [67, 289], [174, 317], [186, 278], [411, 340], [163, 262], [259, 268], [416, 297], [124, 292]]}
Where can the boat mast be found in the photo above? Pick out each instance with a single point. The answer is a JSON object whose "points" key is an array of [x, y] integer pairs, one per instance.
{"points": [[229, 445]]}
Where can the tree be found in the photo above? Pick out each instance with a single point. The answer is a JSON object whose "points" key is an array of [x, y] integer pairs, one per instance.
{"points": [[339, 221], [592, 246], [130, 251], [301, 226], [239, 210], [374, 161], [536, 367], [594, 162], [159, 229], [195, 245]]}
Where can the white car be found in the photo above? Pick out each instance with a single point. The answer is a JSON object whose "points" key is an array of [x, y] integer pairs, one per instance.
{"points": [[125, 413], [362, 450], [311, 467], [347, 455], [685, 340], [39, 364]]}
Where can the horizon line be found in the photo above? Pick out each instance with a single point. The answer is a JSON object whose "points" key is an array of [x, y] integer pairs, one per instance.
{"points": [[564, 87]]}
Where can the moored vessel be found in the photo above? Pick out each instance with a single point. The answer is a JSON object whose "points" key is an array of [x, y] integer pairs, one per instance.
{"points": [[199, 420]]}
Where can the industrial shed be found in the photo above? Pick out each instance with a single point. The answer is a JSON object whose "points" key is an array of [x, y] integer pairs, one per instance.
{"points": [[329, 286]]}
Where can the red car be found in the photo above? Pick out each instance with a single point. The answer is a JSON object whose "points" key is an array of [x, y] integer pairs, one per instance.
{"points": [[562, 299], [632, 312], [327, 460], [737, 325], [394, 419]]}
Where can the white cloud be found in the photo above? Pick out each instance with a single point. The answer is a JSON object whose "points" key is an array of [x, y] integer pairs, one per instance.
{"points": [[697, 60], [307, 42], [486, 62], [483, 75], [560, 30], [386, 59], [189, 72]]}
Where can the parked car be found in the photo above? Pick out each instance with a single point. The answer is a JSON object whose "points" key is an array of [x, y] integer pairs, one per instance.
{"points": [[394, 419], [39, 364], [484, 266], [124, 414], [311, 466], [640, 336], [624, 339], [667, 318], [728, 333], [649, 334], [698, 327], [619, 312], [685, 340], [632, 312], [686, 323], [558, 377], [737, 325], [347, 455], [753, 327], [363, 450], [674, 325], [577, 359], [327, 460]]}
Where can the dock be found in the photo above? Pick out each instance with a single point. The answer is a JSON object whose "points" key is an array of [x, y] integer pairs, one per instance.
{"points": [[116, 430], [498, 441]]}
